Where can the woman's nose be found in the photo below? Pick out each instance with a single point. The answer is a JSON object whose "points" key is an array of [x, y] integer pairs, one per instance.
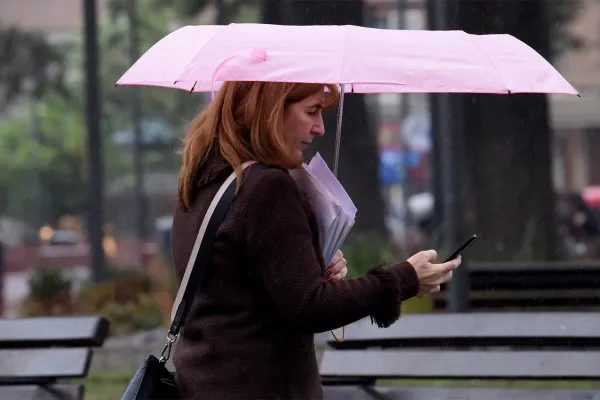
{"points": [[319, 129]]}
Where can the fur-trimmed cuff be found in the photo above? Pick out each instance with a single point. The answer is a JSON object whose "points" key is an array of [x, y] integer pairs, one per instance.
{"points": [[398, 283]]}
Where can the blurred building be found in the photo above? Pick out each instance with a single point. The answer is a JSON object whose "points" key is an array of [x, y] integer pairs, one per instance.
{"points": [[577, 120], [51, 17]]}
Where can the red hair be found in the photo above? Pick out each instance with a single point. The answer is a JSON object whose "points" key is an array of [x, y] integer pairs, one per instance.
{"points": [[244, 122]]}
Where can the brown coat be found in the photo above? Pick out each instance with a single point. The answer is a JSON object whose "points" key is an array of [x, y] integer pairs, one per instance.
{"points": [[249, 334]]}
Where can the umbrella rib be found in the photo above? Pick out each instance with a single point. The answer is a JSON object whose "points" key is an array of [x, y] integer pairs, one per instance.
{"points": [[343, 52], [200, 51], [475, 44], [338, 128]]}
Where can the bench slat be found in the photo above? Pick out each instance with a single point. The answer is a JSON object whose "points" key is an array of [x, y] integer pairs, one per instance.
{"points": [[436, 364], [551, 300], [52, 392], [566, 329], [530, 279], [453, 393], [573, 268], [43, 365], [84, 331]]}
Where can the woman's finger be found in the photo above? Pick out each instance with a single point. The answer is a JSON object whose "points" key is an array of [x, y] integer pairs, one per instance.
{"points": [[336, 258], [436, 289], [446, 277], [451, 265], [430, 255], [425, 289], [337, 268], [342, 274]]}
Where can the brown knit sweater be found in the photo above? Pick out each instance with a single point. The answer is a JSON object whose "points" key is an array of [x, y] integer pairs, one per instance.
{"points": [[249, 334]]}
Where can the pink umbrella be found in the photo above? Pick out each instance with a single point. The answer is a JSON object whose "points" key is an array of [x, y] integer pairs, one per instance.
{"points": [[369, 60], [361, 60]]}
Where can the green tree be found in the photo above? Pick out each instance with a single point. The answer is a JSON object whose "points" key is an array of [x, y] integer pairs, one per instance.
{"points": [[226, 10], [29, 65], [42, 158], [154, 22], [171, 107], [42, 142]]}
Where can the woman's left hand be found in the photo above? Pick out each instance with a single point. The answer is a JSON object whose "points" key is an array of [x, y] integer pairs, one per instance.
{"points": [[337, 269]]}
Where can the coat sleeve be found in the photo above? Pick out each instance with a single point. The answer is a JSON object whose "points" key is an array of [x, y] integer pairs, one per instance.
{"points": [[280, 247]]}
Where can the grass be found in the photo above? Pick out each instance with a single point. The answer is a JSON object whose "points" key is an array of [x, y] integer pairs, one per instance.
{"points": [[106, 385], [109, 385]]}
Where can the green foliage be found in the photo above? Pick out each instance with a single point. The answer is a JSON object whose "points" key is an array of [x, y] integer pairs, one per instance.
{"points": [[126, 274], [364, 253], [29, 65], [46, 140], [126, 299], [141, 314], [154, 22], [49, 293], [367, 252], [43, 142], [227, 10], [46, 283]]}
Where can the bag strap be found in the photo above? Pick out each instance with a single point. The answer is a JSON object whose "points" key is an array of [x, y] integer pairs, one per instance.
{"points": [[200, 257]]}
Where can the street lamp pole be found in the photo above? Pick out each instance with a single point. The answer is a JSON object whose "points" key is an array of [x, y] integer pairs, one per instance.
{"points": [[138, 144], [95, 198]]}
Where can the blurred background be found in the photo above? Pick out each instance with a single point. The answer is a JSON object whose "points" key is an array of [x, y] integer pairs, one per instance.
{"points": [[88, 171]]}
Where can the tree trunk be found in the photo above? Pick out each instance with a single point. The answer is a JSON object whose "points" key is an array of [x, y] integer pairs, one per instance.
{"points": [[273, 12], [224, 11], [507, 144], [359, 158]]}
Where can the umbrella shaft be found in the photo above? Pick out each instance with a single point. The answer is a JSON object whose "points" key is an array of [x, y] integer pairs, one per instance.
{"points": [[338, 131]]}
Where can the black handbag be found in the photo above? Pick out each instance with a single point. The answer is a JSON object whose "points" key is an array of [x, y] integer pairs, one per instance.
{"points": [[153, 381]]}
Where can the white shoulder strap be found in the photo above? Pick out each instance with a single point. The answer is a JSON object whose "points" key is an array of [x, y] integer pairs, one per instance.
{"points": [[201, 232]]}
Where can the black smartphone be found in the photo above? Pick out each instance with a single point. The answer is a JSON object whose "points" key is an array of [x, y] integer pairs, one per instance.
{"points": [[466, 244]]}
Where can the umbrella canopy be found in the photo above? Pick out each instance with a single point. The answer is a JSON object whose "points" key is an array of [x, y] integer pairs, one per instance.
{"points": [[365, 60]]}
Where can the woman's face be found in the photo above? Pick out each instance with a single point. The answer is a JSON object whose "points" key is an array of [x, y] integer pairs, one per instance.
{"points": [[303, 121]]}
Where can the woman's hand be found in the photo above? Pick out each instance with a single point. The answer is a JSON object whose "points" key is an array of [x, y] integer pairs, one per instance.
{"points": [[337, 269], [431, 276]]}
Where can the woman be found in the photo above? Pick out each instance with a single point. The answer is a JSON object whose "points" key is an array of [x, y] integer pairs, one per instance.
{"points": [[249, 333]]}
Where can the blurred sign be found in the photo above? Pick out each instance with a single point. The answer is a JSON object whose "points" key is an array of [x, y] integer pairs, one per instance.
{"points": [[416, 132], [388, 136], [394, 163]]}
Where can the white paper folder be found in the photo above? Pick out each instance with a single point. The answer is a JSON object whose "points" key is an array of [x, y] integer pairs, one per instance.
{"points": [[334, 209]]}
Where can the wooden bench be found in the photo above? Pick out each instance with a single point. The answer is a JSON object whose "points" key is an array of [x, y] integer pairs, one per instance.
{"points": [[37, 353], [487, 346], [532, 286]]}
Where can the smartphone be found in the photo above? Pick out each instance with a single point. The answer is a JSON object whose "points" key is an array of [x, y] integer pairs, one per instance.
{"points": [[465, 245]]}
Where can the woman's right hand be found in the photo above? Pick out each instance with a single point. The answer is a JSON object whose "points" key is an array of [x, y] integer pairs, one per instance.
{"points": [[430, 275]]}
